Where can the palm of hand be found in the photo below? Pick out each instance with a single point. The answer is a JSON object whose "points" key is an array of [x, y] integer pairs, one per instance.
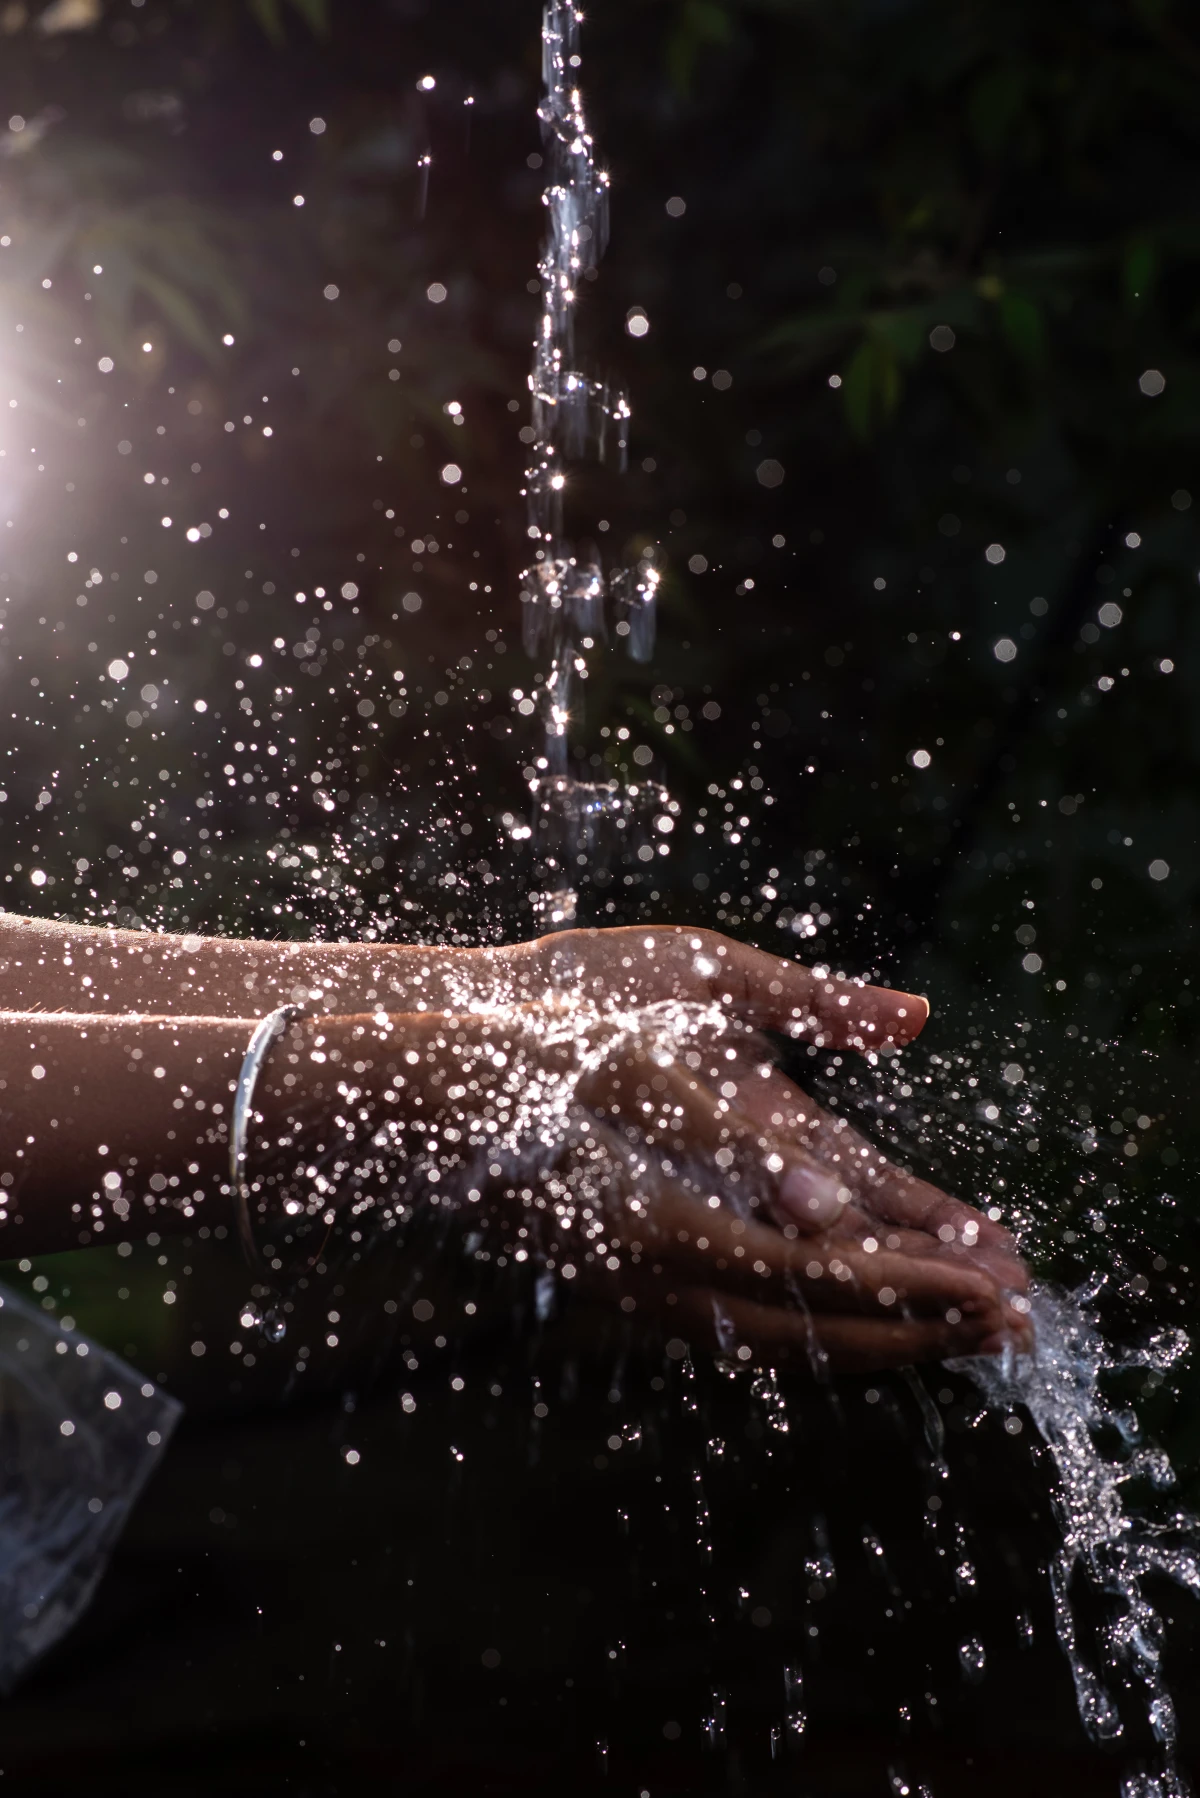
{"points": [[836, 1251]]}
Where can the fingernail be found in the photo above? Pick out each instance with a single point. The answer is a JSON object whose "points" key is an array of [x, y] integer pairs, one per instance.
{"points": [[811, 1196]]}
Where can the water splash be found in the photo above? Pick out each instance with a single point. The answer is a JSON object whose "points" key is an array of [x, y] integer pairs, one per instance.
{"points": [[570, 604], [1114, 1552]]}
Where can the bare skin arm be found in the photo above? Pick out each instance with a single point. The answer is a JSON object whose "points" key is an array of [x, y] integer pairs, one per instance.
{"points": [[52, 966], [204, 982], [112, 1126], [47, 965]]}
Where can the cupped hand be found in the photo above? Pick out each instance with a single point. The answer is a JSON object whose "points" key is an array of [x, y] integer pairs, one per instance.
{"points": [[742, 1286], [640, 966], [908, 1214], [637, 1159]]}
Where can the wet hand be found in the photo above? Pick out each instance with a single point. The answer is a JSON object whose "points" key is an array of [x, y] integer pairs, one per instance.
{"points": [[640, 965], [745, 1288], [624, 1155], [906, 1213]]}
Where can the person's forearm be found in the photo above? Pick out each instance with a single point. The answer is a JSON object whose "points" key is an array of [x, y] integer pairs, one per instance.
{"points": [[51, 966], [111, 1127]]}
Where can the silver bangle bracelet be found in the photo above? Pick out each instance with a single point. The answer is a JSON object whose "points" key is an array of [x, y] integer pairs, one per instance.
{"points": [[265, 1034]]}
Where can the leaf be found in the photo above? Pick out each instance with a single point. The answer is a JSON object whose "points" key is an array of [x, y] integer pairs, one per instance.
{"points": [[995, 105], [810, 338], [180, 309], [270, 17], [269, 14], [702, 23], [317, 14], [872, 385], [1021, 323], [904, 331], [1139, 271]]}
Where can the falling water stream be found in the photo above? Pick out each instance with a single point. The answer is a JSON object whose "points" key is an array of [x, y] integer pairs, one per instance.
{"points": [[572, 607]]}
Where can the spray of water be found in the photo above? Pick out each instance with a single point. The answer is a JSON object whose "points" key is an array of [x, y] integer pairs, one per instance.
{"points": [[1108, 1548]]}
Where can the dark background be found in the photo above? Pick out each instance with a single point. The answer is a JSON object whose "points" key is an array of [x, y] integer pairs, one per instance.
{"points": [[920, 385]]}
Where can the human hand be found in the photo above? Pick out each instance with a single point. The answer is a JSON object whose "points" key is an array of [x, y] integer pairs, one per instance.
{"points": [[638, 965], [638, 1146], [908, 1214], [707, 1220]]}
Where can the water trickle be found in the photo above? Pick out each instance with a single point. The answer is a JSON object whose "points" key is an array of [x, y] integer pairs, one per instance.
{"points": [[572, 607], [793, 1696], [715, 1722], [819, 1569]]}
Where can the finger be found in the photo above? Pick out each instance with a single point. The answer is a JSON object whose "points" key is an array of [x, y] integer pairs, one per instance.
{"points": [[850, 1344], [883, 1190], [681, 1235], [813, 1003], [674, 1230], [674, 1110]]}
